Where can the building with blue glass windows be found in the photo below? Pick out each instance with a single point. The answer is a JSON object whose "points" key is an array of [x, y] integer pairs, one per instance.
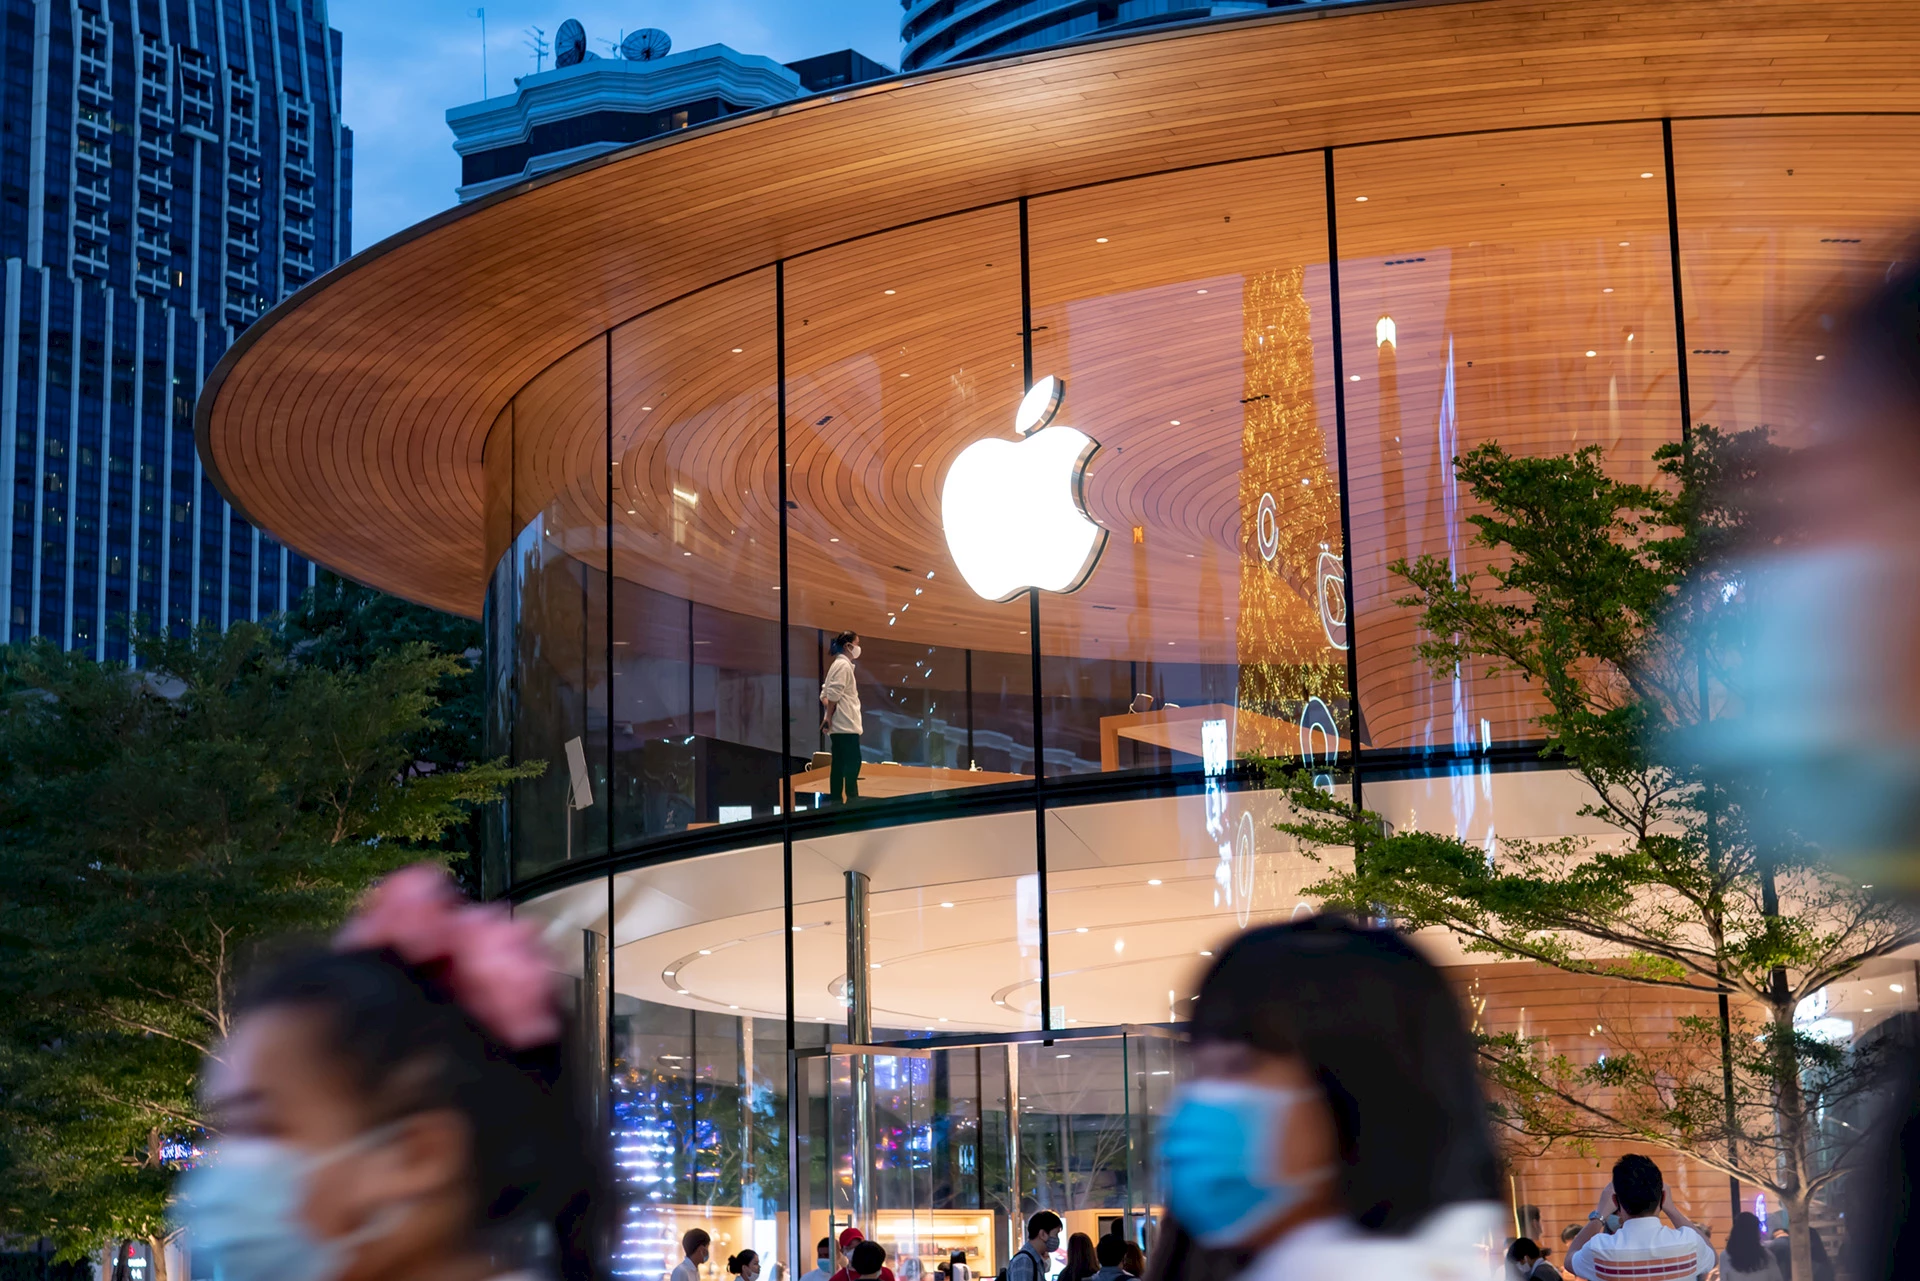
{"points": [[170, 170], [933, 32]]}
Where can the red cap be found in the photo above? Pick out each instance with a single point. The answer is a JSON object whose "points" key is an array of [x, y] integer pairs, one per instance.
{"points": [[850, 1238]]}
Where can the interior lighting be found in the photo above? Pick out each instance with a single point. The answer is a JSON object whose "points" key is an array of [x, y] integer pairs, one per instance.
{"points": [[1174, 421], [1646, 175], [1623, 244], [1592, 354], [889, 293], [682, 991], [943, 1020], [1153, 882], [1360, 200], [1384, 332], [1063, 1056], [1819, 357], [1205, 952], [1895, 987], [733, 1007], [946, 905], [646, 409], [737, 350], [1353, 378], [1079, 929], [1099, 240], [706, 951], [1199, 291], [874, 966], [1607, 290]]}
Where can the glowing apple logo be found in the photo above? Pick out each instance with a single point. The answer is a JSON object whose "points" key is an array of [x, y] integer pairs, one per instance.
{"points": [[1014, 512]]}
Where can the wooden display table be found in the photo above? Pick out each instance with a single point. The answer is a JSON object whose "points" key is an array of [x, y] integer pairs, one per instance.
{"points": [[883, 780], [1178, 728]]}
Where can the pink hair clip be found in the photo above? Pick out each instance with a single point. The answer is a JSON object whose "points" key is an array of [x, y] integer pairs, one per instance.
{"points": [[494, 966]]}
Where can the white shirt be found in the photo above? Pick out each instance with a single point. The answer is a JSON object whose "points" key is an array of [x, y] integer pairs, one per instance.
{"points": [[841, 690], [688, 1270], [1452, 1245], [1644, 1249]]}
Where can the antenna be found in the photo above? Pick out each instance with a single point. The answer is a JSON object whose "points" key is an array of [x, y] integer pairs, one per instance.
{"points": [[536, 43], [481, 14]]}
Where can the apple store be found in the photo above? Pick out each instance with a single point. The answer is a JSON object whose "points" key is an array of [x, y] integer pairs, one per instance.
{"points": [[1098, 392]]}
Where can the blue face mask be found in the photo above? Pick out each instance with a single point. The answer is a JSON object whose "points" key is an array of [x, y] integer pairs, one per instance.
{"points": [[242, 1211], [1220, 1148]]}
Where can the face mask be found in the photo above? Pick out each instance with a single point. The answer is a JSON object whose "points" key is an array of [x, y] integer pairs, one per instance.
{"points": [[243, 1209], [1221, 1148], [853, 652]]}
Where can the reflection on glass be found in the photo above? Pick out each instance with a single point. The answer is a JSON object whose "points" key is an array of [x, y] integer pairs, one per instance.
{"points": [[696, 609], [559, 584], [1781, 234], [699, 1085], [1190, 319], [1512, 288], [902, 350]]}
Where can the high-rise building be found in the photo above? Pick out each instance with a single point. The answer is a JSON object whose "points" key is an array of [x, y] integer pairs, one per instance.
{"points": [[938, 31], [170, 170], [586, 104]]}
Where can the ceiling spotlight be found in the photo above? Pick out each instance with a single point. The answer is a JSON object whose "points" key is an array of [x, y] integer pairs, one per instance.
{"points": [[738, 350], [1099, 240], [706, 951], [1204, 952], [1353, 378], [733, 1007], [1176, 422], [646, 409], [1895, 987], [946, 905], [1819, 357], [1607, 290], [1063, 1056], [1153, 882], [1079, 929], [1199, 291], [1646, 175], [1592, 354], [889, 292], [1360, 200], [1623, 244]]}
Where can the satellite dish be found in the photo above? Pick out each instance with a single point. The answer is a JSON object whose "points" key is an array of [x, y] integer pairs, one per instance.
{"points": [[569, 43], [645, 45]]}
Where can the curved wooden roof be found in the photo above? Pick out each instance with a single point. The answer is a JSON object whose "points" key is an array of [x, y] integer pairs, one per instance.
{"points": [[351, 420]]}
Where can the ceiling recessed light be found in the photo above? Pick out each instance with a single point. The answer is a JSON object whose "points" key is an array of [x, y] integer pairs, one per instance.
{"points": [[738, 350], [1099, 240], [1199, 291], [1895, 987], [1353, 378], [706, 951], [1819, 357], [833, 540], [798, 928], [943, 1020], [1646, 175], [1593, 353], [681, 990], [733, 1007], [889, 292], [1607, 290], [1175, 422], [1079, 929], [1623, 244], [1155, 881], [1360, 200], [1204, 952], [874, 966], [906, 375], [946, 905]]}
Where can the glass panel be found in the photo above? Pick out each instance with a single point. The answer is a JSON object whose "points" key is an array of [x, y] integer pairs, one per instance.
{"points": [[1513, 288], [901, 350], [700, 1061], [1784, 226], [953, 932], [500, 624], [1190, 318], [696, 643], [560, 557]]}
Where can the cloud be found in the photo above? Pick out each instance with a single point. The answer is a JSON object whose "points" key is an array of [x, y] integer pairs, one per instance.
{"points": [[406, 61]]}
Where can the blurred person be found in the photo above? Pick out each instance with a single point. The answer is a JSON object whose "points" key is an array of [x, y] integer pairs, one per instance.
{"points": [[392, 1108], [957, 1266], [745, 1265], [840, 719], [868, 1260], [697, 1246], [911, 1269], [1032, 1261], [1526, 1263], [1334, 1125], [1110, 1252], [850, 1240], [1746, 1257], [1081, 1263], [1641, 1247], [1134, 1260], [823, 1264]]}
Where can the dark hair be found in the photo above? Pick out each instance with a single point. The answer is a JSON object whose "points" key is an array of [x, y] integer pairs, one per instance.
{"points": [[839, 643], [1522, 1250], [737, 1263], [1744, 1250], [1043, 1221], [1381, 1032], [410, 1048], [824, 1248], [1134, 1260], [958, 1256], [1109, 1250], [1080, 1264], [693, 1238], [1637, 1185], [866, 1258]]}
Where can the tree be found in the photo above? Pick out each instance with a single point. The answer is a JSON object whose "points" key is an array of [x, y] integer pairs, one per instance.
{"points": [[1623, 605], [156, 825]]}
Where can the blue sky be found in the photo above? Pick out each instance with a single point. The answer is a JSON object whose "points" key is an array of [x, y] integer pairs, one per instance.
{"points": [[407, 61]]}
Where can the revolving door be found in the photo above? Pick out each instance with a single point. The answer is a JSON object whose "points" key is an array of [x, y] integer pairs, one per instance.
{"points": [[937, 1148]]}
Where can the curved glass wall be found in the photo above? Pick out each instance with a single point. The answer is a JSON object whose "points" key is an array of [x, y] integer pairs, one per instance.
{"points": [[974, 974]]}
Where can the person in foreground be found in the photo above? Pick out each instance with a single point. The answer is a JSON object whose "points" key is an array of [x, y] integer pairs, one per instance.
{"points": [[1334, 1127], [1746, 1257], [1642, 1248], [390, 1110], [1110, 1253]]}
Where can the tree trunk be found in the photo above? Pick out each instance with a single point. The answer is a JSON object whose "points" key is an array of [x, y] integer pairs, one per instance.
{"points": [[158, 1245], [1800, 1237]]}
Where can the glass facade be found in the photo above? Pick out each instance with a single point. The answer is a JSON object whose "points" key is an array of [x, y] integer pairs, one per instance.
{"points": [[975, 975]]}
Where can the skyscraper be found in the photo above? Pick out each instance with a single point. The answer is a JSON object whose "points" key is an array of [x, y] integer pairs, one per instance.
{"points": [[933, 32], [169, 169]]}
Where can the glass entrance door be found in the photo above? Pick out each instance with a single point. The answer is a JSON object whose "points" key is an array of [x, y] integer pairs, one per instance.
{"points": [[946, 1147]]}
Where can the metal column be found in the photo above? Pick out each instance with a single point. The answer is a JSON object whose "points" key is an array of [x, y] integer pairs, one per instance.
{"points": [[596, 1066], [860, 1033]]}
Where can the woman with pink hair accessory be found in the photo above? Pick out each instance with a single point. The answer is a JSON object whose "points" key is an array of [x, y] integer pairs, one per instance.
{"points": [[392, 1108]]}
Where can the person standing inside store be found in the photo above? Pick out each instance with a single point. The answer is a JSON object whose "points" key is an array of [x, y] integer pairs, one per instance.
{"points": [[1642, 1247], [823, 1265], [1032, 1260], [850, 1240], [1334, 1127], [697, 1246], [957, 1266], [868, 1262], [840, 719]]}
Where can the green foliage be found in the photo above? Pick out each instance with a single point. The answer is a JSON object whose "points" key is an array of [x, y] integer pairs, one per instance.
{"points": [[1622, 605], [156, 825]]}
